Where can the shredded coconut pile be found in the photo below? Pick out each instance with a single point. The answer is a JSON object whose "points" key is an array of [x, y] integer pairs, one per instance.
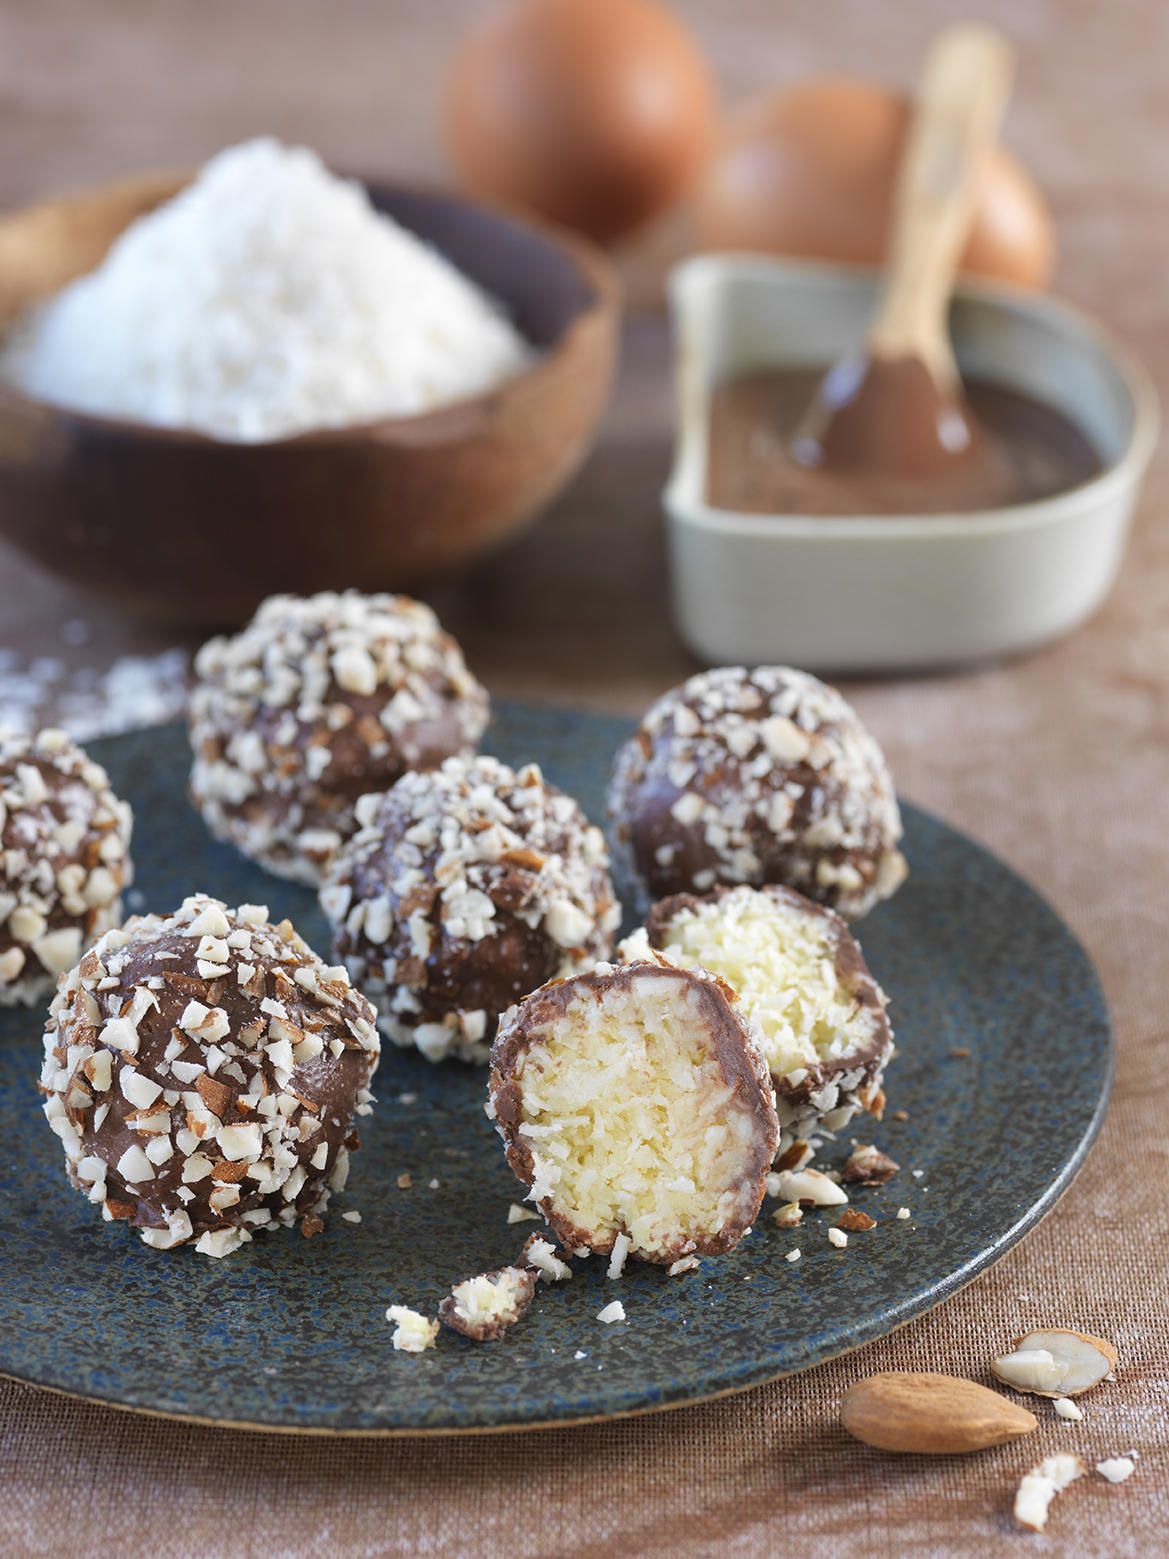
{"points": [[266, 299], [135, 691]]}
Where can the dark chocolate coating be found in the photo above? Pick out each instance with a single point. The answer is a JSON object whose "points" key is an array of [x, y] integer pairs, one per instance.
{"points": [[560, 858], [799, 821], [37, 847], [408, 704], [325, 1087]]}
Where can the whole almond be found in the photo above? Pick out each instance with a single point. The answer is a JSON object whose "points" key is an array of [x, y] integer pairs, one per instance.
{"points": [[933, 1415]]}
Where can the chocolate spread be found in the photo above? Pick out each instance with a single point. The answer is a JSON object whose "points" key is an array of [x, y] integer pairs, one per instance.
{"points": [[1025, 450]]}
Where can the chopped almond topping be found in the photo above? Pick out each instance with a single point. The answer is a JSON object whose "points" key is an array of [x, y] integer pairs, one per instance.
{"points": [[216, 1096], [855, 1221]]}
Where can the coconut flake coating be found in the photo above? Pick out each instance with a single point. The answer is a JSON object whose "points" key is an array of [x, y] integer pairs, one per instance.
{"points": [[758, 776], [203, 1070], [64, 859], [466, 888], [636, 1105], [318, 701], [802, 985]]}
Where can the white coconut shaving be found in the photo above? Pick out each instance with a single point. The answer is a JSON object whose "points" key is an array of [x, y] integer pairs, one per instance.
{"points": [[266, 299]]}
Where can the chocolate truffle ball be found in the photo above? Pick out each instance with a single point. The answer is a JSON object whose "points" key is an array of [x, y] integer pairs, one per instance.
{"points": [[758, 776], [466, 888], [802, 984], [202, 1070], [315, 703], [635, 1104], [64, 842]]}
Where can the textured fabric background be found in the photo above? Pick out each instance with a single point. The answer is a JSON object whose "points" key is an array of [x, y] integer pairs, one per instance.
{"points": [[1060, 763]]}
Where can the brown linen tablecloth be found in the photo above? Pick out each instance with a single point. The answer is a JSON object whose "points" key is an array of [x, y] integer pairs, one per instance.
{"points": [[1059, 762]]}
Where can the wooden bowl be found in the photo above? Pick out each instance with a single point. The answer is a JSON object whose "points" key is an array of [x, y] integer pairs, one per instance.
{"points": [[180, 526]]}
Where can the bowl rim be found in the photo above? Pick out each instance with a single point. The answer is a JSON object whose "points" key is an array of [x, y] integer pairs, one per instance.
{"points": [[1076, 323], [586, 259]]}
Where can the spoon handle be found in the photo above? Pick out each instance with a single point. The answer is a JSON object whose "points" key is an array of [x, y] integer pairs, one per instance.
{"points": [[961, 99]]}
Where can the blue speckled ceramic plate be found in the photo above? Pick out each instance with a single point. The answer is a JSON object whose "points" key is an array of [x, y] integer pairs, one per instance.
{"points": [[290, 1334]]}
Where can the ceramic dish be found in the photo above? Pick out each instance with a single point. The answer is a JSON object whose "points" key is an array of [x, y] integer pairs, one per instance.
{"points": [[184, 527], [871, 593], [290, 1334]]}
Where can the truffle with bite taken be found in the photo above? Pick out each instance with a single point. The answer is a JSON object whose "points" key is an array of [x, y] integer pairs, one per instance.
{"points": [[802, 985], [758, 776], [635, 1104], [64, 859], [466, 888], [203, 1070], [316, 702]]}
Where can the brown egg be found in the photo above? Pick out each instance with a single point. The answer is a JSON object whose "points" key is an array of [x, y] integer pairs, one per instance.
{"points": [[812, 172], [591, 113]]}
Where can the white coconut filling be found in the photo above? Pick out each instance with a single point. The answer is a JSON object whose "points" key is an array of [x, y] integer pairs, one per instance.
{"points": [[492, 1296], [781, 964], [631, 1125]]}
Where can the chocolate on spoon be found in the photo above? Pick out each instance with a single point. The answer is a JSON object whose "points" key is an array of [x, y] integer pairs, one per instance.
{"points": [[896, 411]]}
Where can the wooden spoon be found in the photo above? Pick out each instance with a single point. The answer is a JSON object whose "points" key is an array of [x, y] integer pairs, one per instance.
{"points": [[897, 409]]}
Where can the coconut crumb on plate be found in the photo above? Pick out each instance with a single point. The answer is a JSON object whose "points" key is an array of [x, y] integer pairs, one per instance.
{"points": [[413, 1333], [484, 1307], [540, 1254]]}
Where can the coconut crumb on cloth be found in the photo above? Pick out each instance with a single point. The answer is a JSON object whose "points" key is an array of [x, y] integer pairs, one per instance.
{"points": [[1040, 1486], [1116, 1468]]}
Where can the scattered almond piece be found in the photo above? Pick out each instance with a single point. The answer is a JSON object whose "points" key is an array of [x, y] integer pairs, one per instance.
{"points": [[838, 1238], [1056, 1363], [867, 1165], [614, 1311], [1029, 1369], [518, 1214], [1116, 1468], [793, 1255], [855, 1221], [1066, 1408], [903, 1213], [934, 1415], [683, 1264], [795, 1157], [788, 1216], [1040, 1486], [404, 1182], [806, 1185]]}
